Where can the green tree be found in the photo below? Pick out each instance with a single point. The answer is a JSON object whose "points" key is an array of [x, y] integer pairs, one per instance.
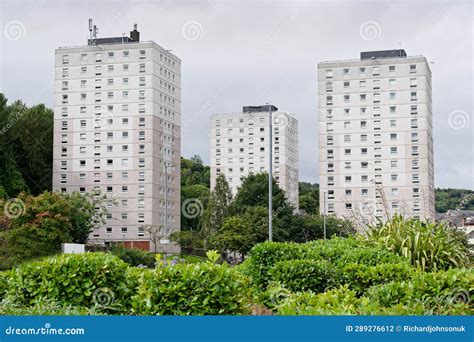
{"points": [[306, 228], [253, 192], [308, 197], [26, 148], [218, 208], [452, 199], [193, 171], [193, 193], [32, 226]]}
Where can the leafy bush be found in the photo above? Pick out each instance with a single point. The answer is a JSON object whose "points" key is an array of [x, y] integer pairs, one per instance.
{"points": [[346, 250], [265, 255], [192, 289], [443, 292], [46, 307], [339, 251], [71, 279], [304, 275], [360, 277], [3, 283], [428, 245], [340, 301], [134, 257]]}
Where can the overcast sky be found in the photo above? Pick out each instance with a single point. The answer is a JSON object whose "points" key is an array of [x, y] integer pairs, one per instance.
{"points": [[237, 53]]}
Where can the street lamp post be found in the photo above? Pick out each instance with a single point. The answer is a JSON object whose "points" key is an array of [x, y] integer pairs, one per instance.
{"points": [[270, 177], [324, 215]]}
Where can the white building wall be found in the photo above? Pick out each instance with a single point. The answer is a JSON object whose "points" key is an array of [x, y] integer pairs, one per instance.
{"points": [[117, 120], [240, 143], [376, 138]]}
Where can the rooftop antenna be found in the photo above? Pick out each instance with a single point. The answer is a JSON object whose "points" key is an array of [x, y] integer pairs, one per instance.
{"points": [[93, 30], [90, 31]]}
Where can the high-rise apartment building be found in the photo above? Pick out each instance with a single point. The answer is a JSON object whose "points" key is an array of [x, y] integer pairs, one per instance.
{"points": [[117, 118], [376, 136], [240, 146]]}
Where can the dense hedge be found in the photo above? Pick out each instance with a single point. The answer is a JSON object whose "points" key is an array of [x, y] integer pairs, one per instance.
{"points": [[360, 277], [440, 293], [72, 279], [455, 286], [304, 274], [271, 261], [97, 283], [3, 283], [192, 289], [134, 257]]}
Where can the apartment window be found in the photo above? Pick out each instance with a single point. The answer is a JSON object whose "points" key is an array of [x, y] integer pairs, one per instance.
{"points": [[413, 110], [364, 178], [347, 84], [393, 123], [125, 67], [394, 205], [413, 96], [414, 151], [126, 54], [347, 151], [363, 124], [392, 82], [124, 175], [347, 124], [393, 96], [364, 165], [347, 138], [362, 84], [393, 163], [394, 177], [391, 68], [393, 150], [363, 151], [124, 230], [363, 137], [415, 178], [413, 83], [394, 191], [124, 135], [329, 73], [347, 98], [110, 162], [328, 101], [362, 71], [375, 71], [393, 109], [365, 192], [393, 136], [412, 68], [414, 137], [363, 97], [414, 123]]}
